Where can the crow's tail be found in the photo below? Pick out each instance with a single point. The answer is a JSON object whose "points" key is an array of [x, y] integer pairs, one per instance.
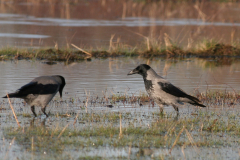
{"points": [[195, 101], [12, 95], [198, 104]]}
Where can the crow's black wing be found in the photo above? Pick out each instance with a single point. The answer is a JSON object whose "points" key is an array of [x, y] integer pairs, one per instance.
{"points": [[36, 88], [177, 92], [171, 89]]}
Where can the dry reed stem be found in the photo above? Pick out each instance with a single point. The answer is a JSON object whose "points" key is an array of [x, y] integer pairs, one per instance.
{"points": [[120, 133], [111, 43], [32, 146], [178, 136], [15, 116], [40, 42], [69, 41], [201, 128], [148, 62], [129, 150], [86, 103], [183, 150], [192, 141], [63, 131], [201, 14], [90, 55], [167, 65], [148, 42], [232, 36], [54, 131], [56, 45], [170, 129], [167, 40], [124, 10], [190, 42]]}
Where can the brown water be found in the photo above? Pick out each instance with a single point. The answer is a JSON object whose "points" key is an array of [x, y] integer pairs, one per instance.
{"points": [[92, 23]]}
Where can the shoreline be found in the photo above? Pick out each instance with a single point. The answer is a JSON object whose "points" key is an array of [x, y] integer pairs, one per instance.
{"points": [[209, 49]]}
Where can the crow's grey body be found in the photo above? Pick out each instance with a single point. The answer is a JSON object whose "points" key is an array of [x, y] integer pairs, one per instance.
{"points": [[40, 91], [162, 91]]}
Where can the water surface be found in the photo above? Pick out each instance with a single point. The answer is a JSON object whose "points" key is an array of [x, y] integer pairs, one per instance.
{"points": [[90, 24], [110, 75]]}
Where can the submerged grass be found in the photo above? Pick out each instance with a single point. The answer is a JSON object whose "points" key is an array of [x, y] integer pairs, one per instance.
{"points": [[152, 48], [219, 98], [206, 129], [145, 131]]}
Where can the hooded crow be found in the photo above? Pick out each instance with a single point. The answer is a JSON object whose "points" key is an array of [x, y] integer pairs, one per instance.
{"points": [[40, 91], [162, 91]]}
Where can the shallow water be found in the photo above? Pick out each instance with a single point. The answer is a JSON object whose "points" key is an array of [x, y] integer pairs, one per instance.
{"points": [[36, 24], [108, 76]]}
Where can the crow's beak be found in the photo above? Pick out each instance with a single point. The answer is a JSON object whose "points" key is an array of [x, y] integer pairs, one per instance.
{"points": [[61, 89], [60, 92], [133, 72]]}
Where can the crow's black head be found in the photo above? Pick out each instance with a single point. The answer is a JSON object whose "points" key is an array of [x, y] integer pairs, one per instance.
{"points": [[141, 69]]}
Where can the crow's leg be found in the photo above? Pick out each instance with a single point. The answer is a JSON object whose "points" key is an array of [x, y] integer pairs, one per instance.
{"points": [[33, 110], [176, 109], [161, 109], [43, 110], [32, 122], [176, 117], [43, 122]]}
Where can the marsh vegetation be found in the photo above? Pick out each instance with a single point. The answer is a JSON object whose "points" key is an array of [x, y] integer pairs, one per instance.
{"points": [[103, 114], [127, 131], [208, 49]]}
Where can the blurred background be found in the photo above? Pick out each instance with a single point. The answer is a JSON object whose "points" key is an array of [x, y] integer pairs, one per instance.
{"points": [[92, 23]]}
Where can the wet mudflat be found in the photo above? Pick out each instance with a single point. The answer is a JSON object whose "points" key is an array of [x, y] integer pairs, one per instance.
{"points": [[79, 129], [106, 114]]}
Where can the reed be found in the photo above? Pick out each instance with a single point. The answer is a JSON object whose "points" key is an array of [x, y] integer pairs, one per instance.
{"points": [[15, 116]]}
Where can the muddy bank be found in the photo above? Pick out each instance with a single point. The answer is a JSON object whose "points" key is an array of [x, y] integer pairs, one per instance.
{"points": [[209, 50]]}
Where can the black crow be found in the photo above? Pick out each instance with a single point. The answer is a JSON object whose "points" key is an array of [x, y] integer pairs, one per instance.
{"points": [[162, 91], [40, 91]]}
